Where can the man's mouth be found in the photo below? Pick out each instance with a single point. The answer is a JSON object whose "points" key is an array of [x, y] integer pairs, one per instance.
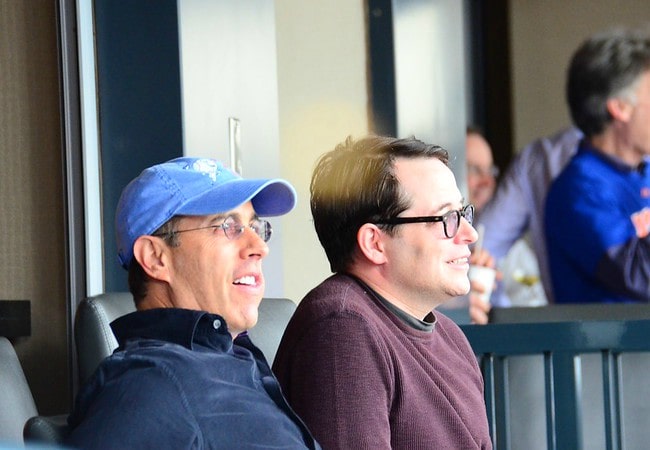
{"points": [[459, 261], [248, 280]]}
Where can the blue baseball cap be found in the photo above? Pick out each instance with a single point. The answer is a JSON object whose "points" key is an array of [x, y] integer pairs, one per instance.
{"points": [[191, 187]]}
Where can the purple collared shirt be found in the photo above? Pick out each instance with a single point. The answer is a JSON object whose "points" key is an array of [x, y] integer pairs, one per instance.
{"points": [[518, 203]]}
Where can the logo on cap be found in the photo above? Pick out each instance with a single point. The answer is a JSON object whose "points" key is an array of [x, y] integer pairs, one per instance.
{"points": [[207, 167]]}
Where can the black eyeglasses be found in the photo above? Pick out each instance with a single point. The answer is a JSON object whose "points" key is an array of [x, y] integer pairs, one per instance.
{"points": [[450, 220], [233, 228]]}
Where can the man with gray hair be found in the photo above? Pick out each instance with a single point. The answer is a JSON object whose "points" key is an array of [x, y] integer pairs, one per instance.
{"points": [[597, 215]]}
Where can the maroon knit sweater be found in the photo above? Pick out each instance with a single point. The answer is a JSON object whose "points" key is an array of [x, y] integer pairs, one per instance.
{"points": [[361, 378]]}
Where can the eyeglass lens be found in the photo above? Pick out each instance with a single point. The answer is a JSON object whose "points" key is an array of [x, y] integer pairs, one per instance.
{"points": [[233, 228], [451, 220], [478, 171], [263, 229]]}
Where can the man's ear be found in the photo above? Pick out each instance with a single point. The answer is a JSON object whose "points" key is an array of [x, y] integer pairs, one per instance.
{"points": [[620, 109], [371, 244], [152, 254]]}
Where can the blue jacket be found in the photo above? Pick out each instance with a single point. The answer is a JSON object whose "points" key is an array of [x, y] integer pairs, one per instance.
{"points": [[597, 221], [178, 381]]}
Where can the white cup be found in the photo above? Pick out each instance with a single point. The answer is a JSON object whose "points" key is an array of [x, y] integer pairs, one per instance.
{"points": [[484, 276]]}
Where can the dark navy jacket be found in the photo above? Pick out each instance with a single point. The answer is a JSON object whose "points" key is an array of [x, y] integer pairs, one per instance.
{"points": [[178, 381]]}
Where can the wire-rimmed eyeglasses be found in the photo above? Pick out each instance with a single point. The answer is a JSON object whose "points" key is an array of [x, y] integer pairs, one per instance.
{"points": [[233, 228], [478, 171], [450, 220]]}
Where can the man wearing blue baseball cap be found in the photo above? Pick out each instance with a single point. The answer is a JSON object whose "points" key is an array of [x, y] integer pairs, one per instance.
{"points": [[185, 374]]}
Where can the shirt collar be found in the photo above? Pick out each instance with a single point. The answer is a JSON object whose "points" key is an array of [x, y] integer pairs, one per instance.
{"points": [[179, 326], [586, 147], [413, 322]]}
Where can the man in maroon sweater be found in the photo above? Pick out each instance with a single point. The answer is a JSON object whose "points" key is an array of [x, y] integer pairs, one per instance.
{"points": [[366, 360]]}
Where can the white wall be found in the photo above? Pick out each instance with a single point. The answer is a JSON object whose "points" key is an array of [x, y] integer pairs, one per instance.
{"points": [[322, 88], [430, 78]]}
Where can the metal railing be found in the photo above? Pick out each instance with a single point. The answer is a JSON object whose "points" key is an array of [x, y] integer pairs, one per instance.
{"points": [[560, 344]]}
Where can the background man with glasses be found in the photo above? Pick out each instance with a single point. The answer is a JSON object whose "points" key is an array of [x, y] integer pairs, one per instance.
{"points": [[366, 360], [185, 374], [520, 276], [482, 174]]}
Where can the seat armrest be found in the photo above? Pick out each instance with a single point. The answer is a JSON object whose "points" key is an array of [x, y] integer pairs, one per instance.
{"points": [[46, 429]]}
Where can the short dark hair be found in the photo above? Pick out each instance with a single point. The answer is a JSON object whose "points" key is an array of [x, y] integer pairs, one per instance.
{"points": [[355, 184], [604, 66], [138, 279], [474, 130]]}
